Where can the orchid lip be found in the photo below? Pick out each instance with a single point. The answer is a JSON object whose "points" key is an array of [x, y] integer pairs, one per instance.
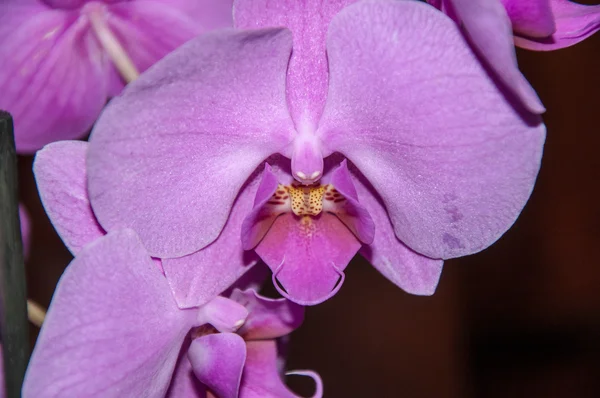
{"points": [[312, 301], [306, 201]]}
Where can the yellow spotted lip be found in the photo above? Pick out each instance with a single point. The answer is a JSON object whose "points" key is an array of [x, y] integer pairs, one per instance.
{"points": [[307, 200]]}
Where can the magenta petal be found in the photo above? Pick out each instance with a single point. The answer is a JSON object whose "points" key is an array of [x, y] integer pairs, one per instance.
{"points": [[412, 272], [448, 154], [307, 73], [52, 75], [112, 329], [261, 378], [267, 318], [223, 314], [149, 30], [253, 279], [307, 255], [66, 4], [218, 360], [198, 277], [574, 23], [263, 215], [61, 179], [490, 31], [439, 4], [168, 157], [184, 383], [350, 211], [531, 18], [208, 14]]}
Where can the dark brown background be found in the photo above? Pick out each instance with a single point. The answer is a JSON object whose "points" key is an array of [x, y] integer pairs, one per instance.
{"points": [[521, 319]]}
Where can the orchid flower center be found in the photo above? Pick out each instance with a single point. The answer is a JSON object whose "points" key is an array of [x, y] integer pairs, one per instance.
{"points": [[306, 200]]}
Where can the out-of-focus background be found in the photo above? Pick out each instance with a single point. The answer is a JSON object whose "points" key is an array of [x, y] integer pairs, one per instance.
{"points": [[521, 319]]}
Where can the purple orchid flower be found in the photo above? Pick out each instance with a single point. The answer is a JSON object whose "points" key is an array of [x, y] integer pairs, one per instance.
{"points": [[541, 25], [61, 178], [61, 59], [113, 329], [383, 132]]}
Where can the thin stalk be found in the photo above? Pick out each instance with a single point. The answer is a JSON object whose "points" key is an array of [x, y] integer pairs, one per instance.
{"points": [[13, 295]]}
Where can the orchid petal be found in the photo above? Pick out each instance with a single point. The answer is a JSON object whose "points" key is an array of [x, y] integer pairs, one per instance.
{"points": [[439, 4], [253, 279], [53, 75], [490, 31], [66, 4], [307, 74], [184, 383], [451, 158], [150, 29], [203, 111], [207, 14], [307, 255], [267, 318], [61, 178], [200, 276], [574, 23], [412, 272], [112, 329], [196, 278], [261, 378], [349, 210], [258, 221], [531, 18], [445, 6], [223, 314], [217, 361]]}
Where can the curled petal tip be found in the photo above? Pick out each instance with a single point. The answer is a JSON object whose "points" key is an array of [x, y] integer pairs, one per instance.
{"points": [[308, 301], [313, 375]]}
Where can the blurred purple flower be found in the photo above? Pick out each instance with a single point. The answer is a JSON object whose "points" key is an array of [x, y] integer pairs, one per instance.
{"points": [[438, 159], [541, 25], [61, 59], [113, 329]]}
